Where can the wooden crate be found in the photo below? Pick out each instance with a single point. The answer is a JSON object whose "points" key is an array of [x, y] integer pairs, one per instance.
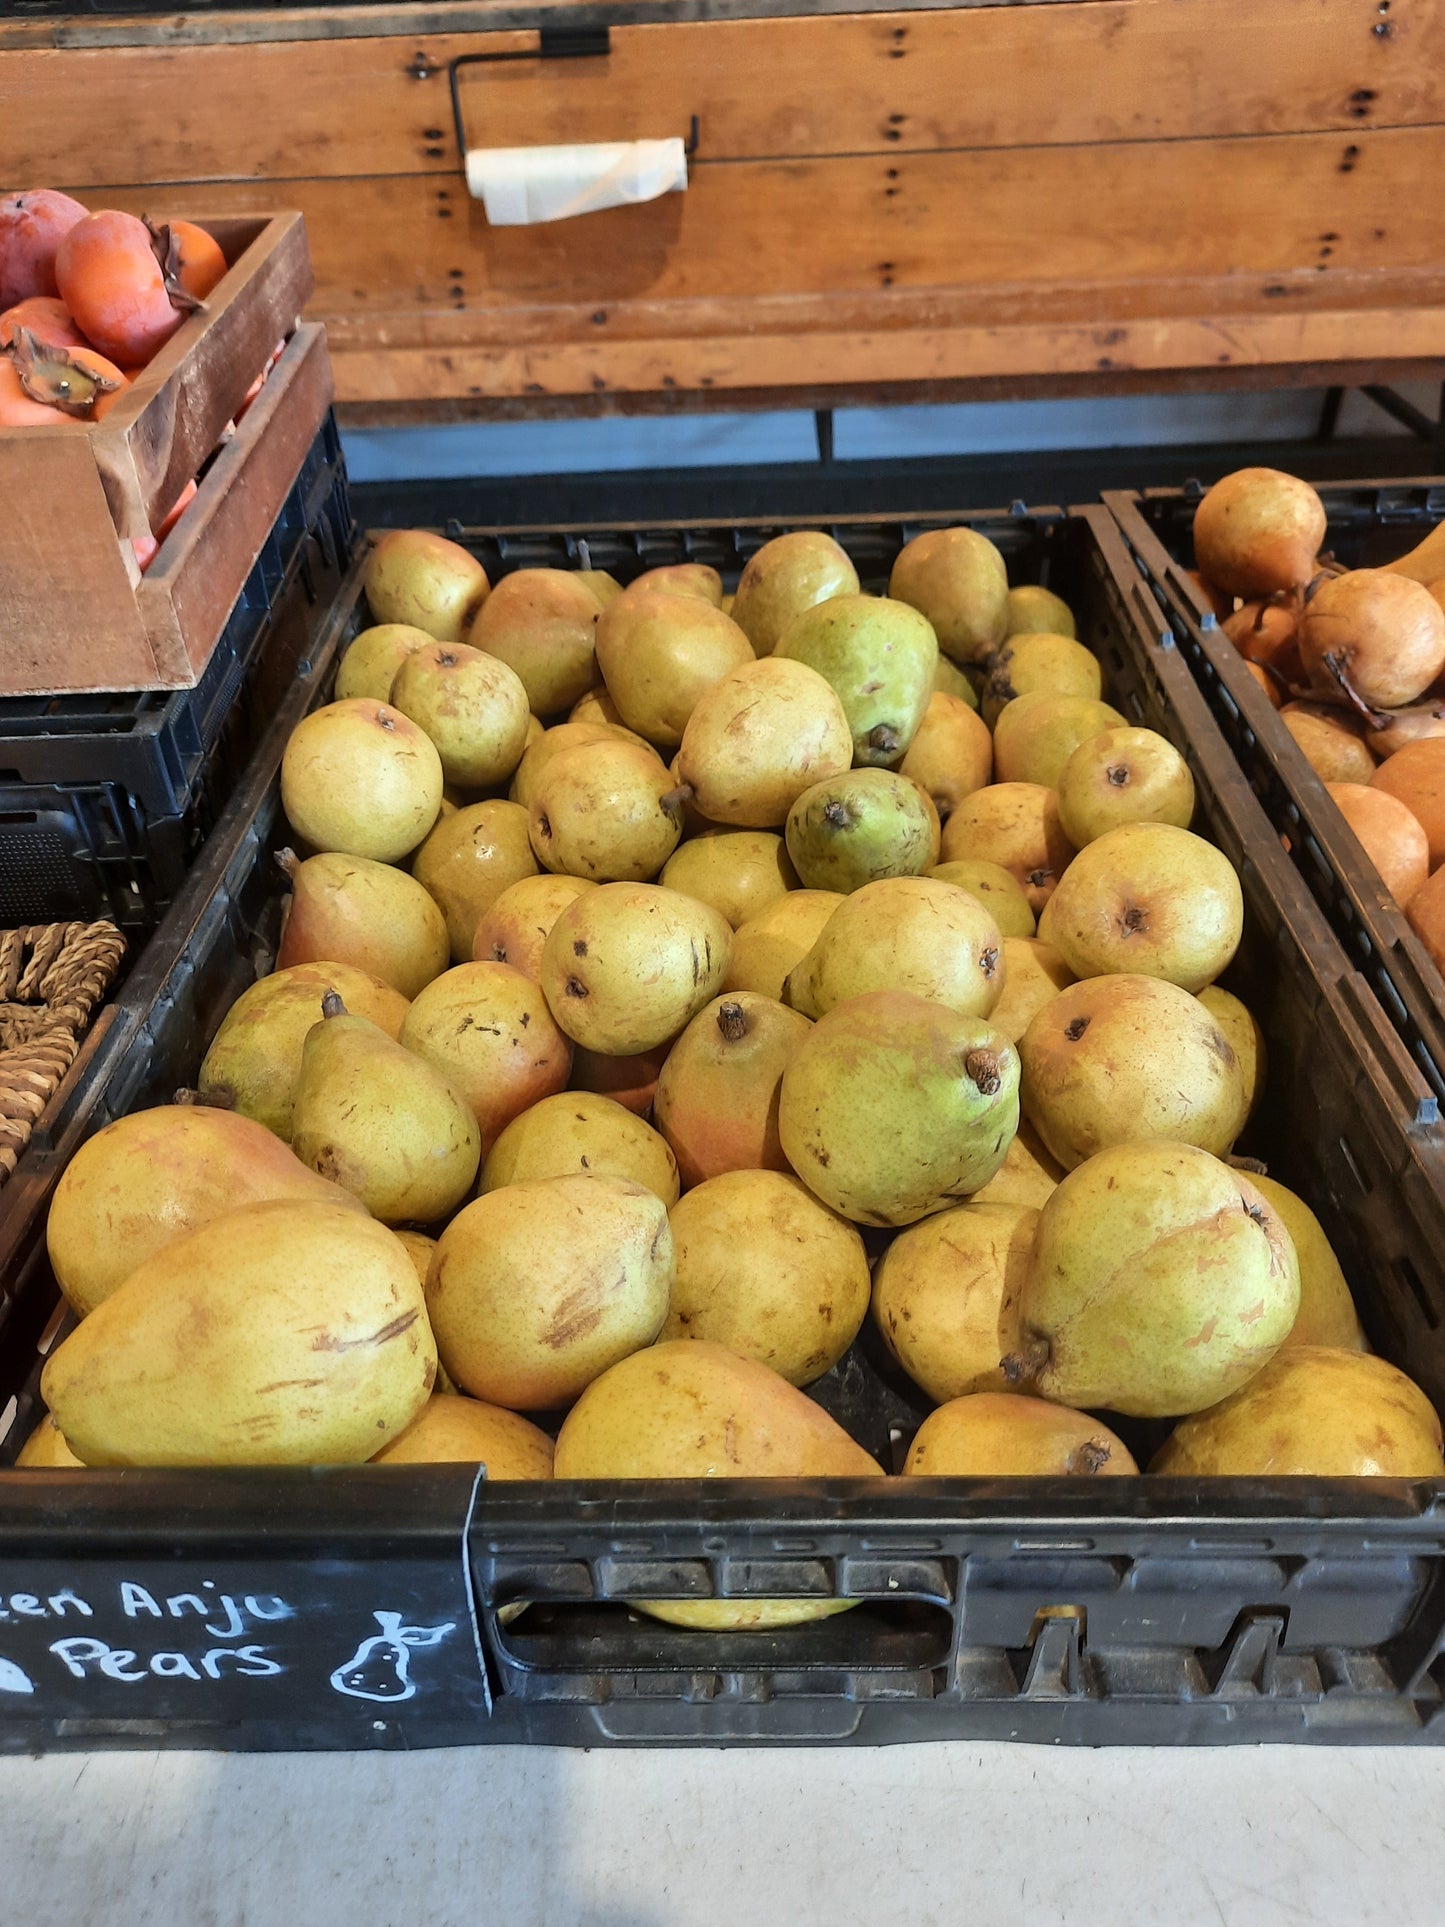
{"points": [[76, 614], [965, 200]]}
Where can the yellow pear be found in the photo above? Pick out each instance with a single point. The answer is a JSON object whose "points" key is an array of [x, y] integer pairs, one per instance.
{"points": [[1036, 735], [717, 1097], [1327, 1314], [46, 1447], [537, 1288], [996, 888], [760, 736], [688, 1409], [473, 707], [255, 1057], [680, 578], [951, 754], [739, 872], [1246, 1039], [627, 965], [1312, 1412], [542, 623], [605, 587], [786, 576], [905, 933], [417, 577], [605, 811], [467, 862], [514, 929], [766, 1270], [369, 666], [768, 946], [952, 681], [1027, 1175], [1015, 825], [1116, 1060], [1123, 776], [488, 1030], [959, 580], [347, 909], [1046, 663], [578, 1133], [451, 1428], [419, 1248], [940, 1292], [659, 650], [379, 1121], [553, 742], [1034, 974], [991, 1435], [154, 1176], [1036, 611], [286, 1333], [361, 778]]}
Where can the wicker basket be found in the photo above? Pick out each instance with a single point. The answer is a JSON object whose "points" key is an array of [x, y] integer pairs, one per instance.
{"points": [[52, 976]]}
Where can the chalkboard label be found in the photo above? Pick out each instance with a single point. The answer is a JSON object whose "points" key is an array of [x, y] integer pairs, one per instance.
{"points": [[229, 1640]]}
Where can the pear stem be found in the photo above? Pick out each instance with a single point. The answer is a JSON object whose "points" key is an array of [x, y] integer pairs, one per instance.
{"points": [[732, 1021], [983, 1068], [288, 863], [675, 799], [1089, 1459], [332, 1006], [1023, 1366]]}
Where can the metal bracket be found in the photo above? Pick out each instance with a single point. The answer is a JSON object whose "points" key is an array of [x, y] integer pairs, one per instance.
{"points": [[553, 43]]}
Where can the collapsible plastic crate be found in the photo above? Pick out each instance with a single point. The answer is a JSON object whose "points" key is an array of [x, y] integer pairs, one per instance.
{"points": [[104, 800], [365, 1606], [1369, 523]]}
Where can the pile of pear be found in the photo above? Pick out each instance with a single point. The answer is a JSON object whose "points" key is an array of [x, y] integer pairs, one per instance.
{"points": [[670, 982]]}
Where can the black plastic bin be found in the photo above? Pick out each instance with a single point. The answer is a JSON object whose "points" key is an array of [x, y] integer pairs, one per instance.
{"points": [[105, 800], [364, 1607], [1369, 523]]}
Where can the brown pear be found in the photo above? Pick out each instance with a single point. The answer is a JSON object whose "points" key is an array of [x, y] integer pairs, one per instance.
{"points": [[1258, 532], [347, 909], [543, 624], [1331, 741], [717, 1098], [467, 862]]}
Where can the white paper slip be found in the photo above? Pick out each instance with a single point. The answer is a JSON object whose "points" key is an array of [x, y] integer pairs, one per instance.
{"points": [[522, 185]]}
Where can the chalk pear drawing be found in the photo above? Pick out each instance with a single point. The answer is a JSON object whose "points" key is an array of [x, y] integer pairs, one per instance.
{"points": [[380, 1668], [12, 1680]]}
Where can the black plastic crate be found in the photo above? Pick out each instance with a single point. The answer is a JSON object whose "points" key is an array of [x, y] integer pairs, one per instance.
{"points": [[104, 800], [1370, 523], [1109, 1612]]}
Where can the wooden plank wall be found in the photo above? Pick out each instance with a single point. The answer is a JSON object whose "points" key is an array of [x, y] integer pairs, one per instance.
{"points": [[982, 199]]}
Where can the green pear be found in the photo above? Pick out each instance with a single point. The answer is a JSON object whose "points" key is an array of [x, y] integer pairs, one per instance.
{"points": [[627, 965], [905, 933], [879, 657], [1315, 1412], [1151, 900], [607, 812], [254, 1061], [659, 650], [369, 667], [766, 1270], [997, 889], [786, 576], [537, 1288], [577, 1133], [347, 909], [155, 1175], [376, 1119], [542, 623], [361, 778], [690, 1409], [958, 579], [939, 1292], [467, 862], [893, 1106], [1034, 665], [739, 872], [992, 1435], [1327, 1314], [860, 827], [1160, 1281], [1036, 611], [758, 738], [950, 680], [287, 1333], [416, 577], [1116, 1060], [1123, 776], [473, 707], [1036, 735]]}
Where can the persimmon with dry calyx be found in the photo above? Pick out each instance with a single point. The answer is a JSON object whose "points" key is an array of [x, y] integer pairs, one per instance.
{"points": [[121, 281], [189, 256], [18, 409], [72, 380]]}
